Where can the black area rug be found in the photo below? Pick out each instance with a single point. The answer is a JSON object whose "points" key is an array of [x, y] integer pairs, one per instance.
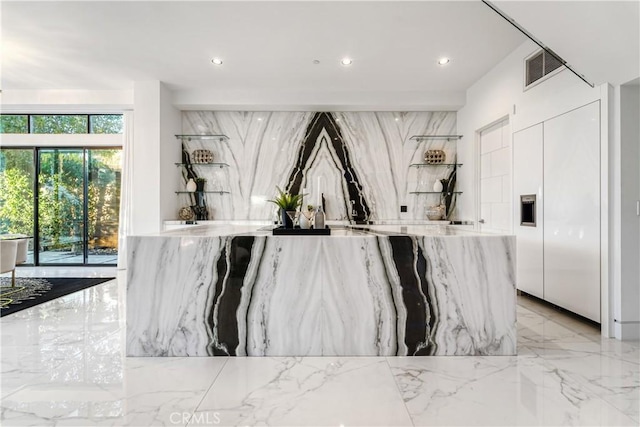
{"points": [[33, 291]]}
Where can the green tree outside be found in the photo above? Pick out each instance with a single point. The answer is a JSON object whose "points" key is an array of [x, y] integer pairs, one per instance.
{"points": [[16, 202], [106, 123], [59, 124], [10, 123]]}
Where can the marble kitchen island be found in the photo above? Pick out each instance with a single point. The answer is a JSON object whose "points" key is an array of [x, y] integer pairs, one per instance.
{"points": [[380, 290]]}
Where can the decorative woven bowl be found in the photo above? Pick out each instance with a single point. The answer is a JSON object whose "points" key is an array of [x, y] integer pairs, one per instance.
{"points": [[202, 156], [436, 213], [434, 157], [185, 213]]}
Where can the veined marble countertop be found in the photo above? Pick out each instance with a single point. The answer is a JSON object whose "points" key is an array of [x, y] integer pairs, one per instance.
{"points": [[253, 229]]}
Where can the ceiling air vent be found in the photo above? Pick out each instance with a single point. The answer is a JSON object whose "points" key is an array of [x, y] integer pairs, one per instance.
{"points": [[539, 65]]}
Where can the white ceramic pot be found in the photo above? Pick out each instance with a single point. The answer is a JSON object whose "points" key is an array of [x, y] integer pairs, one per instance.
{"points": [[437, 186], [191, 185], [305, 223]]}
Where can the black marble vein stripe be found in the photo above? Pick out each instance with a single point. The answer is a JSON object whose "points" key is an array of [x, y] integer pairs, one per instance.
{"points": [[411, 266], [320, 122], [432, 313], [231, 273], [395, 351], [221, 270]]}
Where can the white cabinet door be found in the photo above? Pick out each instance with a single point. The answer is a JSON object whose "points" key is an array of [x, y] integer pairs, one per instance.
{"points": [[572, 211], [527, 180]]}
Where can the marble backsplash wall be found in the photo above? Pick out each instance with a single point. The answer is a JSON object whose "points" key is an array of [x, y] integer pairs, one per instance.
{"points": [[362, 159]]}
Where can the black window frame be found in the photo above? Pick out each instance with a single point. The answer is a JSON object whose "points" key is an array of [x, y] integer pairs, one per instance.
{"points": [[85, 202]]}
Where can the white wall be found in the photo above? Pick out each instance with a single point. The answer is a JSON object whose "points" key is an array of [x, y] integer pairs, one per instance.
{"points": [[170, 153], [601, 39], [145, 217], [154, 152], [60, 140], [313, 100], [500, 93], [65, 101], [627, 289], [497, 94]]}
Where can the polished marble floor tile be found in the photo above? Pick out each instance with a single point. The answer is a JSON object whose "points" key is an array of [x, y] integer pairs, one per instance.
{"points": [[543, 329], [36, 340], [569, 321], [609, 369], [63, 363], [102, 387], [305, 391], [492, 391]]}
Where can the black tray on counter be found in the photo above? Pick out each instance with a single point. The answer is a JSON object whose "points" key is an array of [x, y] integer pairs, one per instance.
{"points": [[281, 231]]}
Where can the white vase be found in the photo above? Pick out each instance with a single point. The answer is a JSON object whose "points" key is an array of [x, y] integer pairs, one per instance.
{"points": [[305, 223], [437, 186], [191, 185]]}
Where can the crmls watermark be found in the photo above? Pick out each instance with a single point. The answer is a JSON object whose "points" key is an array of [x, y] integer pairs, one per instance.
{"points": [[199, 418]]}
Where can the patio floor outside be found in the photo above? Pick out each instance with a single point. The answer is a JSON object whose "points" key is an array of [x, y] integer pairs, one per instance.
{"points": [[72, 257]]}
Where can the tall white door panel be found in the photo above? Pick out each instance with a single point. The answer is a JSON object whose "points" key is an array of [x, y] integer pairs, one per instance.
{"points": [[572, 211], [527, 182], [495, 179]]}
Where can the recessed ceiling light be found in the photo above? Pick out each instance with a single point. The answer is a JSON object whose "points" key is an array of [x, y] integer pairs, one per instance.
{"points": [[443, 61], [217, 61], [346, 61], [316, 61], [259, 119]]}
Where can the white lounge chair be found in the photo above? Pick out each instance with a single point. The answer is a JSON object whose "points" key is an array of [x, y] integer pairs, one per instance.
{"points": [[8, 252], [21, 252]]}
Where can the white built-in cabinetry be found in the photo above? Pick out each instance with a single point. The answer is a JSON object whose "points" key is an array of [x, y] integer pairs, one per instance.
{"points": [[527, 180], [559, 161]]}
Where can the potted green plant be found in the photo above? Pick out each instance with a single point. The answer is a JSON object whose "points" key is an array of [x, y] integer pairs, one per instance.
{"points": [[288, 204]]}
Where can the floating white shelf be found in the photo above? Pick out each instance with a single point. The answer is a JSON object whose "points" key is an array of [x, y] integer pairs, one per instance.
{"points": [[202, 137]]}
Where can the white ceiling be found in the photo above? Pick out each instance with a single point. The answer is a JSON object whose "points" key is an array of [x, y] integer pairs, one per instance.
{"points": [[600, 39], [266, 46]]}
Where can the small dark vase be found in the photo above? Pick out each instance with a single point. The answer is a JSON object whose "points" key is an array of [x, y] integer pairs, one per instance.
{"points": [[201, 212], [286, 221], [199, 185]]}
